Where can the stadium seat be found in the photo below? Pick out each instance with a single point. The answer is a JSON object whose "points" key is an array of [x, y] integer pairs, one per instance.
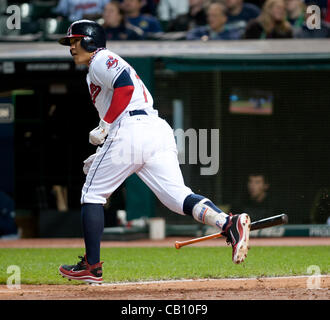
{"points": [[29, 28], [3, 6], [53, 29], [4, 31], [42, 9]]}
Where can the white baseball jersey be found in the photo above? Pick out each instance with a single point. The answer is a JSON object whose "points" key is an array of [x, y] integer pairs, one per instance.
{"points": [[137, 143], [104, 69]]}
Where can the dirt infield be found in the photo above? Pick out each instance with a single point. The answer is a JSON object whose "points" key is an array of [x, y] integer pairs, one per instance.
{"points": [[281, 288]]}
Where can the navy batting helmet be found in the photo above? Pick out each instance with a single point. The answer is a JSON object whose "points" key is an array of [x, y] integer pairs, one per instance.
{"points": [[92, 34]]}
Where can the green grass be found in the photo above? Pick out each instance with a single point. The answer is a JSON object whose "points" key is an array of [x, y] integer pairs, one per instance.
{"points": [[40, 266]]}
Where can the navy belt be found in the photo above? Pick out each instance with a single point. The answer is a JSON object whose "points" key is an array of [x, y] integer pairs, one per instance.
{"points": [[137, 112]]}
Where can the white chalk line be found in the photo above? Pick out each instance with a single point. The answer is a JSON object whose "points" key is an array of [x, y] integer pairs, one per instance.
{"points": [[116, 284], [20, 290], [202, 280]]}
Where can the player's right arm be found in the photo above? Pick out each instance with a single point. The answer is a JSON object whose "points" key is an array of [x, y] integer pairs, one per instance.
{"points": [[122, 94], [114, 75]]}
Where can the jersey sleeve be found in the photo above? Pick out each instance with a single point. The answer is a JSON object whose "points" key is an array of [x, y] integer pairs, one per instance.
{"points": [[107, 70], [122, 95]]}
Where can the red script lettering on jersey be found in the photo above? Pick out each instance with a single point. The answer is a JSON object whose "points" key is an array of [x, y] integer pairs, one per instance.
{"points": [[94, 91]]}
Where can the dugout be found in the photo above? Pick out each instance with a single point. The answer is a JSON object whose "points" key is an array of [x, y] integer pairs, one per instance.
{"points": [[195, 85]]}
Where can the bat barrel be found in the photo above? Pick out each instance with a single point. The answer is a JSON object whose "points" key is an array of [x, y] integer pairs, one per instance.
{"points": [[270, 222]]}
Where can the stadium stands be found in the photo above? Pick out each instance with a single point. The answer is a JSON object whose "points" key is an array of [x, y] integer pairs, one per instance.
{"points": [[39, 21]]}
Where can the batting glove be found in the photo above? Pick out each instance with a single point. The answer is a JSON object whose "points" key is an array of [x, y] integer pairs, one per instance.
{"points": [[88, 162], [97, 136]]}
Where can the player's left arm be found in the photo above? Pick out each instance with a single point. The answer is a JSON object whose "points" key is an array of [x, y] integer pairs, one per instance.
{"points": [[122, 94]]}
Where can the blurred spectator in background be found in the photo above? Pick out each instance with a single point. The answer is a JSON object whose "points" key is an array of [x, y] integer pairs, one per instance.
{"points": [[257, 202], [7, 216], [216, 28], [305, 32], [296, 11], [149, 24], [320, 212], [271, 24], [115, 26], [148, 7], [326, 12], [240, 13], [195, 17], [80, 9], [168, 10]]}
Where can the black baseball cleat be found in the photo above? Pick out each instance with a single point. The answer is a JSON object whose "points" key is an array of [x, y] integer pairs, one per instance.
{"points": [[237, 232], [83, 271]]}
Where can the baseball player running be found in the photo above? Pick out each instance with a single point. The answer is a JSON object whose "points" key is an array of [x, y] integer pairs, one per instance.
{"points": [[131, 138]]}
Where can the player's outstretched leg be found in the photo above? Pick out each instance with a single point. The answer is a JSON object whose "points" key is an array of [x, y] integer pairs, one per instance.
{"points": [[235, 227]]}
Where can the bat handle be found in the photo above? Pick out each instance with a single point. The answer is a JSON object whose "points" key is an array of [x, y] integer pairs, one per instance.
{"points": [[179, 244]]}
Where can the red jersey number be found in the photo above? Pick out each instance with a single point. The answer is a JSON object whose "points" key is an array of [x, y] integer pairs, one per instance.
{"points": [[143, 89], [94, 91]]}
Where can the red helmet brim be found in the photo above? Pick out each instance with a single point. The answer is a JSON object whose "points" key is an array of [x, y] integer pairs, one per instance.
{"points": [[65, 41]]}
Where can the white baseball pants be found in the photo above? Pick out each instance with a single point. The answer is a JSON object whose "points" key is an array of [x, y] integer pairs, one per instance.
{"points": [[141, 144]]}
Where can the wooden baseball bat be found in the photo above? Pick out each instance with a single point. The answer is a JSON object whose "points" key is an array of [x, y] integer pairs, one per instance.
{"points": [[259, 224]]}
